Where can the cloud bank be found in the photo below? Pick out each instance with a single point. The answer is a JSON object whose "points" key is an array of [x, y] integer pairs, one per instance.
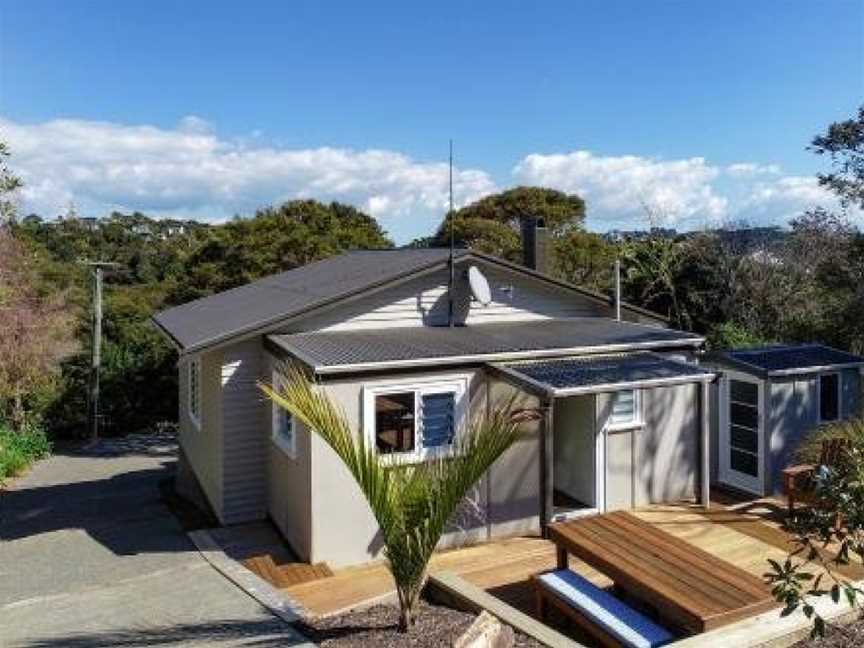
{"points": [[191, 172]]}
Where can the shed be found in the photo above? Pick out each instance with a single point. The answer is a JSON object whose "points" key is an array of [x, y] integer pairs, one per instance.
{"points": [[767, 399]]}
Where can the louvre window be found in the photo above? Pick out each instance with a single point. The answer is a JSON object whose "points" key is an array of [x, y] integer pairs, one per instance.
{"points": [[284, 435], [415, 421], [624, 408], [194, 385]]}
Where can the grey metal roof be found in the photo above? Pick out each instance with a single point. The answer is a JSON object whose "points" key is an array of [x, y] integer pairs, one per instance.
{"points": [[213, 319], [333, 352], [778, 360], [596, 373]]}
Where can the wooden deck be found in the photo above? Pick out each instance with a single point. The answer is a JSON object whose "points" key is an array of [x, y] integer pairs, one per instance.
{"points": [[743, 534]]}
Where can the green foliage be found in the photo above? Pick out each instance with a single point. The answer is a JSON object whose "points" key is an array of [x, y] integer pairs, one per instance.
{"points": [[843, 142], [836, 520], [412, 503], [730, 335], [810, 449], [492, 224], [9, 184], [585, 259], [18, 449]]}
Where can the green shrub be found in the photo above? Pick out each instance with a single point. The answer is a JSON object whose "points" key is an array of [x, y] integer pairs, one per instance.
{"points": [[810, 448], [19, 449]]}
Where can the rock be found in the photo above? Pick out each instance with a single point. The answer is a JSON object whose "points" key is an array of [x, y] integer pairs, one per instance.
{"points": [[486, 632]]}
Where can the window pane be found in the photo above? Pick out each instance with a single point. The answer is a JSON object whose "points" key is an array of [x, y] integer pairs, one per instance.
{"points": [[829, 409], [743, 462], [744, 415], [437, 419], [743, 438], [285, 424], [744, 392], [624, 407], [394, 422]]}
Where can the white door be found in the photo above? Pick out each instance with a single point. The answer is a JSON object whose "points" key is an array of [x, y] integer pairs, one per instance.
{"points": [[742, 438]]}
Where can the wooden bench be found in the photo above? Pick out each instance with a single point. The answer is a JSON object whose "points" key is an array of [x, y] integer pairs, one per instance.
{"points": [[607, 619], [798, 480]]}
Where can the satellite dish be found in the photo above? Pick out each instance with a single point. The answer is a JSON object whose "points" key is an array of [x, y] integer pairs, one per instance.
{"points": [[479, 286]]}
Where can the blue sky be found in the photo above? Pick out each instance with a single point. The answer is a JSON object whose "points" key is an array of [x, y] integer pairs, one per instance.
{"points": [[701, 110]]}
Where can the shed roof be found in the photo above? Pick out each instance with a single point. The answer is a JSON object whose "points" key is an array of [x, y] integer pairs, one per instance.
{"points": [[590, 374], [261, 304], [794, 359], [334, 352]]}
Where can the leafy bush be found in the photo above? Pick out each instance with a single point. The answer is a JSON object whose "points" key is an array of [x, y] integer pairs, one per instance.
{"points": [[20, 449], [810, 448]]}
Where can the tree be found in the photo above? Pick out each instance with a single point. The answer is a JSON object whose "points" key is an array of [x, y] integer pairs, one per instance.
{"points": [[9, 184], [843, 142], [35, 333], [585, 259], [412, 503], [492, 224]]}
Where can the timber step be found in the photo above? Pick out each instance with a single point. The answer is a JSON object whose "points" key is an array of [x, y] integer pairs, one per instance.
{"points": [[288, 574]]}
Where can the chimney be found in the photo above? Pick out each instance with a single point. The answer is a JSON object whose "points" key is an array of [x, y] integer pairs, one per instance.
{"points": [[534, 238]]}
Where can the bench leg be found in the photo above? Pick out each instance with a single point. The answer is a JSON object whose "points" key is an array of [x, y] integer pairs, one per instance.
{"points": [[540, 604], [562, 558]]}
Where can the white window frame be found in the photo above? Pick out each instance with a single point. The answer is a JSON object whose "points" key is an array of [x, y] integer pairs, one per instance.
{"points": [[288, 446], [638, 420], [458, 386], [193, 388], [819, 418]]}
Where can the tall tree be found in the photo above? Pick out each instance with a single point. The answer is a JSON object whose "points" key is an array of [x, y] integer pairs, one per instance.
{"points": [[843, 142], [492, 224], [9, 183]]}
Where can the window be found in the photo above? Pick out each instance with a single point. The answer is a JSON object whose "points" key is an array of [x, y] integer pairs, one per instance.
{"points": [[625, 409], [414, 421], [829, 397], [283, 423], [744, 427], [194, 385]]}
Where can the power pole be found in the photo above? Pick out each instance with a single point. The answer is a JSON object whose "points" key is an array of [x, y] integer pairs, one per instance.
{"points": [[96, 347]]}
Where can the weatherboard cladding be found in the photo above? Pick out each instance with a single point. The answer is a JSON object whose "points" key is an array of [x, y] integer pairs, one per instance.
{"points": [[786, 358], [331, 349], [591, 371]]}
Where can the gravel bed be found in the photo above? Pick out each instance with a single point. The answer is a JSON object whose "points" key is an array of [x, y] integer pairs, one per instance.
{"points": [[847, 636], [434, 627]]}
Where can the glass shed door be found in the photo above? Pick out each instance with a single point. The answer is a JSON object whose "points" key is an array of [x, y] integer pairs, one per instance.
{"points": [[742, 444]]}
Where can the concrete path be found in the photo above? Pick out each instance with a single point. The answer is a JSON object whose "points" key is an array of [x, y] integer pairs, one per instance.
{"points": [[89, 556]]}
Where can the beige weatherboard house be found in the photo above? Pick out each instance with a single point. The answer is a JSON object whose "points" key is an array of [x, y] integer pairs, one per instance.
{"points": [[621, 405]]}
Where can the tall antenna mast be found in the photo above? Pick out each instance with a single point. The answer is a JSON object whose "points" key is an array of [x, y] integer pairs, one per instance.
{"points": [[452, 284]]}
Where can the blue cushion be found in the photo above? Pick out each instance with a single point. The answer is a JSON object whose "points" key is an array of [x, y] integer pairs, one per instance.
{"points": [[616, 617]]}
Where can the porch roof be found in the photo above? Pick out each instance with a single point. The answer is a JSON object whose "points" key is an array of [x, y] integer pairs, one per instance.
{"points": [[594, 374], [330, 352]]}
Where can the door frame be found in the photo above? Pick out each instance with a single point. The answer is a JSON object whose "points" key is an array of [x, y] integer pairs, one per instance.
{"points": [[727, 475]]}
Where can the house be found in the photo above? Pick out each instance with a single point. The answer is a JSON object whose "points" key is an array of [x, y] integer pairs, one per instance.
{"points": [[767, 399], [622, 406]]}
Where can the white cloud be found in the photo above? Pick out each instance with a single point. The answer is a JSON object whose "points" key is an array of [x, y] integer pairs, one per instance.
{"points": [[618, 188], [749, 169], [191, 172]]}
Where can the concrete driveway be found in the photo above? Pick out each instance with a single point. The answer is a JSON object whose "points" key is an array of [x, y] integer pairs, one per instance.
{"points": [[89, 556]]}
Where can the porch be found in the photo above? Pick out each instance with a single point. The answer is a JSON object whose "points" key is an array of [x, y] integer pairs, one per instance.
{"points": [[744, 534]]}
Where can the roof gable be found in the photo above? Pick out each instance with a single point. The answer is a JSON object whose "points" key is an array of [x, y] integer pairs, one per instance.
{"points": [[263, 304]]}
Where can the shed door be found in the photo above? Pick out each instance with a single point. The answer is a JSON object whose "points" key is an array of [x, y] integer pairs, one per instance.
{"points": [[742, 444]]}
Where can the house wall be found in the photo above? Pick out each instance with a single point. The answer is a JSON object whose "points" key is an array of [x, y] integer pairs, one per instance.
{"points": [[793, 410], [289, 491], [202, 446], [505, 501], [423, 301], [658, 461], [245, 440]]}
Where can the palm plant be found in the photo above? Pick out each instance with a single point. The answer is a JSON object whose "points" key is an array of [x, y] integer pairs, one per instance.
{"points": [[412, 503]]}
